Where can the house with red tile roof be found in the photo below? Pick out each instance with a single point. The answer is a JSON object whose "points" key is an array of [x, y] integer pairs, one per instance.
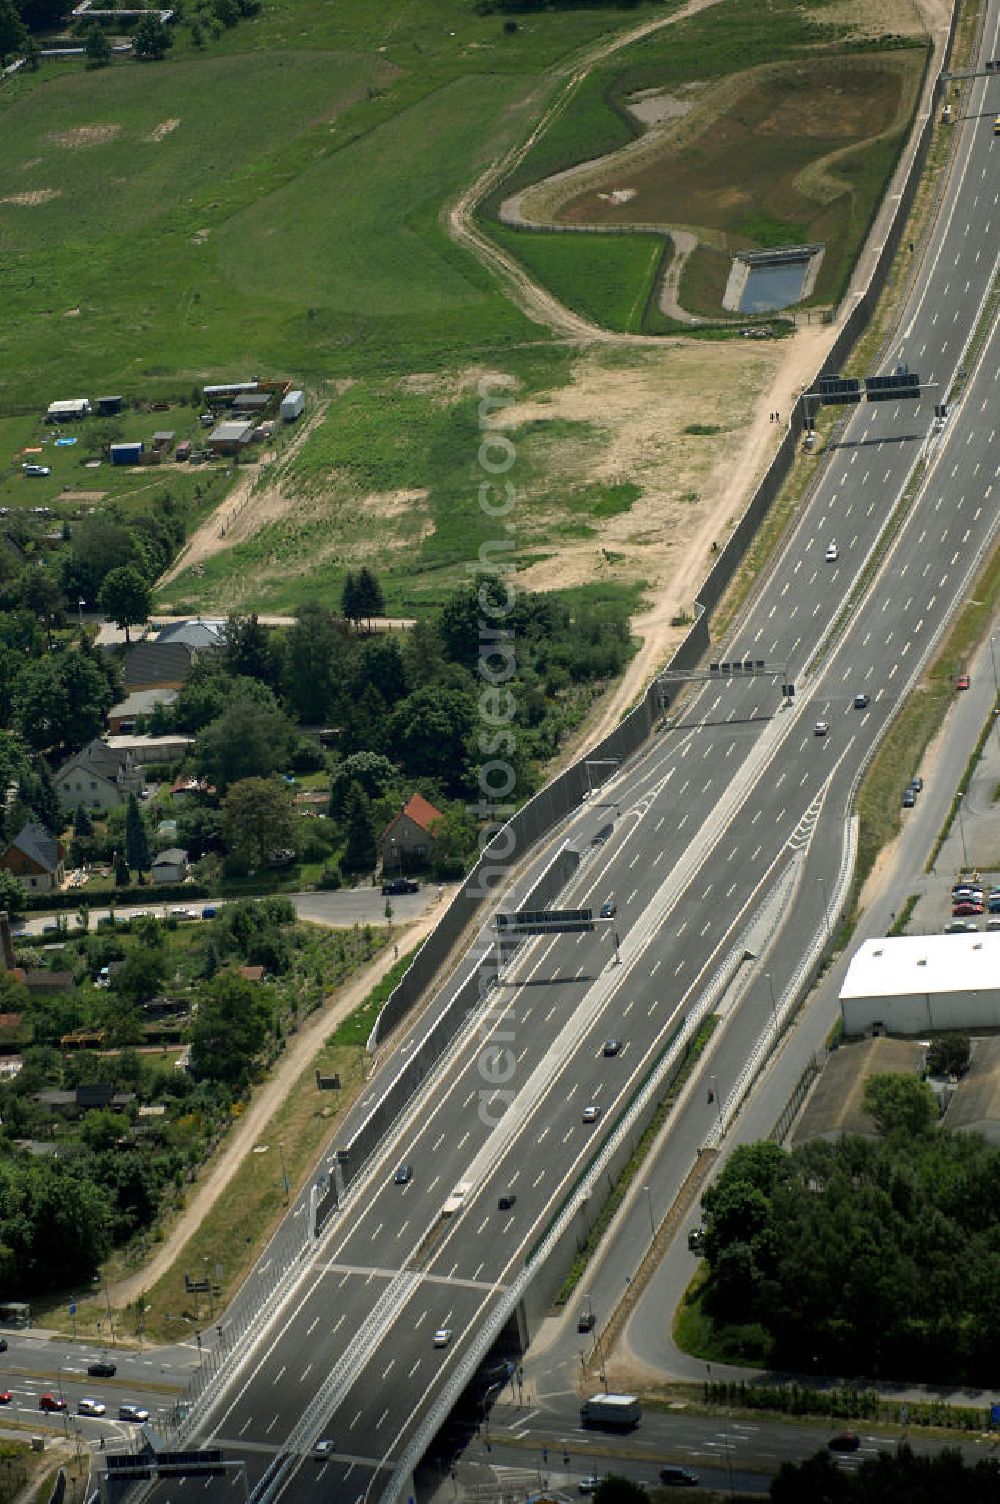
{"points": [[409, 834]]}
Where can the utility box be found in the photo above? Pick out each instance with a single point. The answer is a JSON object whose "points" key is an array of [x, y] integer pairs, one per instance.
{"points": [[292, 406]]}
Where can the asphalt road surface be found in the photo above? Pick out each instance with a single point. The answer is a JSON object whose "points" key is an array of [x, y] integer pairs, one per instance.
{"points": [[731, 823]]}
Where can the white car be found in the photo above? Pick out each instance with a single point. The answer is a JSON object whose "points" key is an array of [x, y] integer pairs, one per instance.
{"points": [[821, 728], [442, 1336], [37, 469], [91, 1407], [183, 914], [323, 1448], [831, 553], [591, 1113]]}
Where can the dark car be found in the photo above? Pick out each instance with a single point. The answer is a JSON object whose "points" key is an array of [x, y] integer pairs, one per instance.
{"points": [[609, 909], [612, 1047], [3, 1344], [862, 702], [695, 1239], [102, 1369], [678, 1477], [917, 784], [909, 798], [209, 911], [399, 885], [844, 1441], [504, 1203], [586, 1321], [403, 1175]]}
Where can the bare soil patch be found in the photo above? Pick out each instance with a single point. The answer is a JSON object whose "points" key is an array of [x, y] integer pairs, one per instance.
{"points": [[85, 135], [653, 106], [32, 197], [163, 129], [88, 496]]}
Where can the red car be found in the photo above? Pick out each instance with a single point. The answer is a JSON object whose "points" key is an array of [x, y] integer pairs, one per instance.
{"points": [[5, 1396], [49, 1402], [962, 682], [965, 908]]}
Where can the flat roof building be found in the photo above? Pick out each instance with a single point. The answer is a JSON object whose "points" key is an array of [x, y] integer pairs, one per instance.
{"points": [[916, 984]]}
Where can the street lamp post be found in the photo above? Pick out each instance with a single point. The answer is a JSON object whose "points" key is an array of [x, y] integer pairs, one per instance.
{"points": [[652, 1224], [826, 907], [79, 607], [961, 830], [774, 1003], [284, 1172], [714, 1097]]}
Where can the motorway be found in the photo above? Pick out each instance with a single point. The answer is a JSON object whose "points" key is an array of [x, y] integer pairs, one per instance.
{"points": [[735, 814]]}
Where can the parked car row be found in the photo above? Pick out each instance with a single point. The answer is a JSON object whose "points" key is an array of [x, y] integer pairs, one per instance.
{"points": [[911, 791]]}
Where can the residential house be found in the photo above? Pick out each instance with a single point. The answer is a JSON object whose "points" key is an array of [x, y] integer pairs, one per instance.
{"points": [[230, 437], [40, 981], [36, 858], [158, 665], [198, 632], [122, 717], [410, 834], [143, 750], [170, 866], [98, 777]]}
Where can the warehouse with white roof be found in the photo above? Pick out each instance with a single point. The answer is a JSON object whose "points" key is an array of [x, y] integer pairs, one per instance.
{"points": [[918, 984]]}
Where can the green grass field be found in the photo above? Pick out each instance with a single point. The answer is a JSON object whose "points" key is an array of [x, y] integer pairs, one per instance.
{"points": [[269, 204], [610, 278]]}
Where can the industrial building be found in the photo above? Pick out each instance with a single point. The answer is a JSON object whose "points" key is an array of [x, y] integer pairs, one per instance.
{"points": [[920, 984]]}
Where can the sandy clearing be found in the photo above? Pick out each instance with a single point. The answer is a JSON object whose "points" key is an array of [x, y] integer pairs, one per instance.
{"points": [[85, 135], [32, 197], [163, 129], [209, 538]]}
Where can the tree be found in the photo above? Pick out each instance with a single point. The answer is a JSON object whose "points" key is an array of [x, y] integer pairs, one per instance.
{"points": [[368, 592], [258, 817], [102, 1130], [949, 1055], [430, 733], [374, 773], [141, 975], [98, 48], [82, 823], [248, 652], [350, 599], [229, 1030], [248, 741], [136, 840], [900, 1104], [315, 650], [122, 875], [361, 852], [40, 595], [151, 38], [125, 597], [13, 37], [11, 893], [41, 711]]}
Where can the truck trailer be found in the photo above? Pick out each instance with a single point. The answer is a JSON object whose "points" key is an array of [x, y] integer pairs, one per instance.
{"points": [[613, 1412]]}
